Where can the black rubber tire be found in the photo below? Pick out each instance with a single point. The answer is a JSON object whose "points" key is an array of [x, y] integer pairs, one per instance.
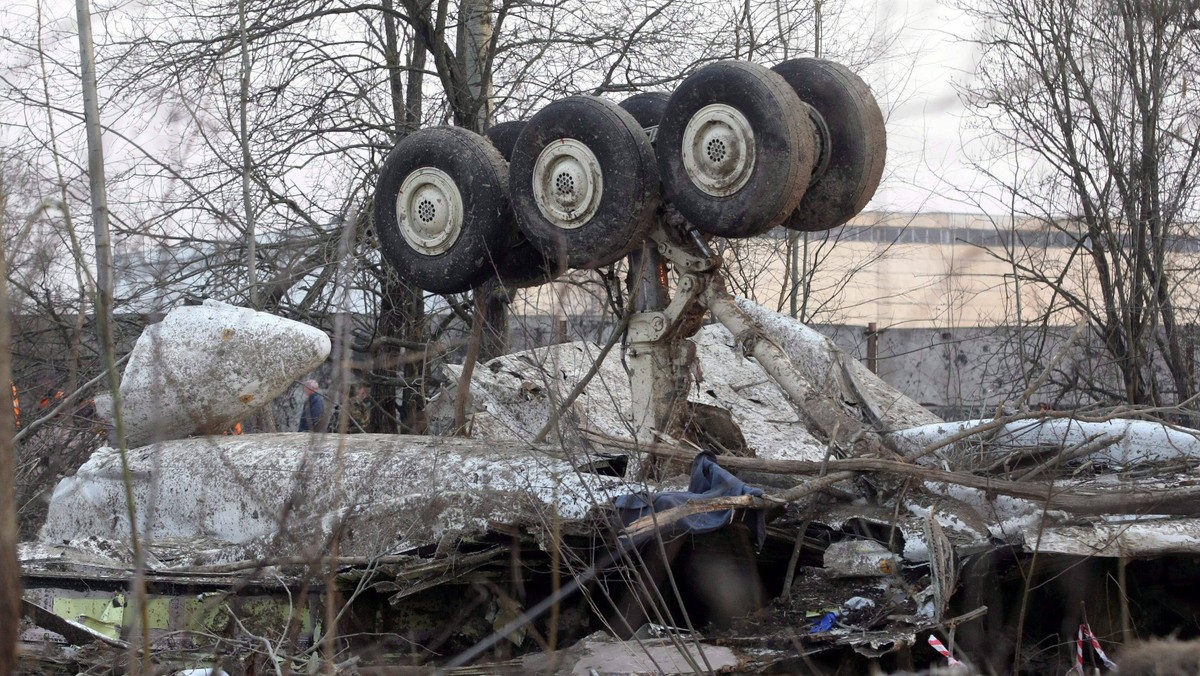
{"points": [[647, 107], [478, 172], [784, 141], [522, 265], [857, 142], [630, 199], [504, 137]]}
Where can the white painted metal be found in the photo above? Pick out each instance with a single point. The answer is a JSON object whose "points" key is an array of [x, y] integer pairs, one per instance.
{"points": [[205, 367], [392, 492], [567, 183], [429, 211], [718, 149]]}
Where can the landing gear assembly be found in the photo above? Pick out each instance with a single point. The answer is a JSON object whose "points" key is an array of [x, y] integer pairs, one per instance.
{"points": [[735, 150]]}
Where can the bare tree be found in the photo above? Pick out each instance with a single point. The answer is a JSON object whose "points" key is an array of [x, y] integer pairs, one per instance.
{"points": [[1092, 131]]}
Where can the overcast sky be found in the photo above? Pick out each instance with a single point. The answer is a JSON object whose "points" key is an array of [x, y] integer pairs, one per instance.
{"points": [[926, 154]]}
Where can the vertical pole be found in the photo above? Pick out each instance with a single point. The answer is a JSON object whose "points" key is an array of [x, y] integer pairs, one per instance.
{"points": [[247, 160], [793, 251], [797, 310], [91, 111], [657, 381], [873, 347], [99, 200], [818, 28], [1126, 624], [793, 237], [10, 571], [104, 296]]}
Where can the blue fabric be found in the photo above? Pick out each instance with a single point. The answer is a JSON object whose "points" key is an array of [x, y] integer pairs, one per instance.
{"points": [[824, 624], [314, 408], [709, 480]]}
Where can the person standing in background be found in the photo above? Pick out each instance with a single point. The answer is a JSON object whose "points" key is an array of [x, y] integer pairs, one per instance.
{"points": [[314, 407]]}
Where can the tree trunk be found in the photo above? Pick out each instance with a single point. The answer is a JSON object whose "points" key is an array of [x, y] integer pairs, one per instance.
{"points": [[10, 570], [247, 160], [397, 399], [474, 41], [493, 300], [397, 379]]}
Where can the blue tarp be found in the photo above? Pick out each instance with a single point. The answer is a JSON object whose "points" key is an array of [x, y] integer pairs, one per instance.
{"points": [[709, 480]]}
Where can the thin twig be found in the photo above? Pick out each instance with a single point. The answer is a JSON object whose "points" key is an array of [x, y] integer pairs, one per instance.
{"points": [[1057, 358], [587, 377], [791, 570], [468, 370], [66, 401], [1088, 446]]}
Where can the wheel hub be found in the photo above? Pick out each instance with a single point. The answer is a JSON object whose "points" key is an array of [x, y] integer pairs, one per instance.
{"points": [[567, 183], [429, 211], [718, 149]]}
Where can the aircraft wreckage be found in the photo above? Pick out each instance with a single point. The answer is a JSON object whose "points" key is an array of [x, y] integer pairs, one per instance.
{"points": [[691, 496]]}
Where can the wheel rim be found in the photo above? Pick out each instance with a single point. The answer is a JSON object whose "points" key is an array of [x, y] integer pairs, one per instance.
{"points": [[567, 183], [718, 149], [429, 211], [824, 146]]}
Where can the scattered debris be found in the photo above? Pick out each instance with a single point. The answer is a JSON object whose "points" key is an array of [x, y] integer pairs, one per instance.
{"points": [[859, 558], [708, 481], [826, 520]]}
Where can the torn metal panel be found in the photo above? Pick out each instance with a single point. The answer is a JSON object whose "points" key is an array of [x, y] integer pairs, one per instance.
{"points": [[71, 630], [266, 494], [1134, 441], [652, 656], [859, 558], [943, 569], [758, 405], [91, 553], [204, 367], [512, 396], [176, 620], [822, 361], [1114, 538]]}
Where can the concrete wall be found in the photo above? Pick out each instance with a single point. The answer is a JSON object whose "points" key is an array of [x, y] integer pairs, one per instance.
{"points": [[958, 372]]}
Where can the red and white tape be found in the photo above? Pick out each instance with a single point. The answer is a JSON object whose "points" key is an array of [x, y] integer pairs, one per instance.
{"points": [[1086, 632], [937, 645]]}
